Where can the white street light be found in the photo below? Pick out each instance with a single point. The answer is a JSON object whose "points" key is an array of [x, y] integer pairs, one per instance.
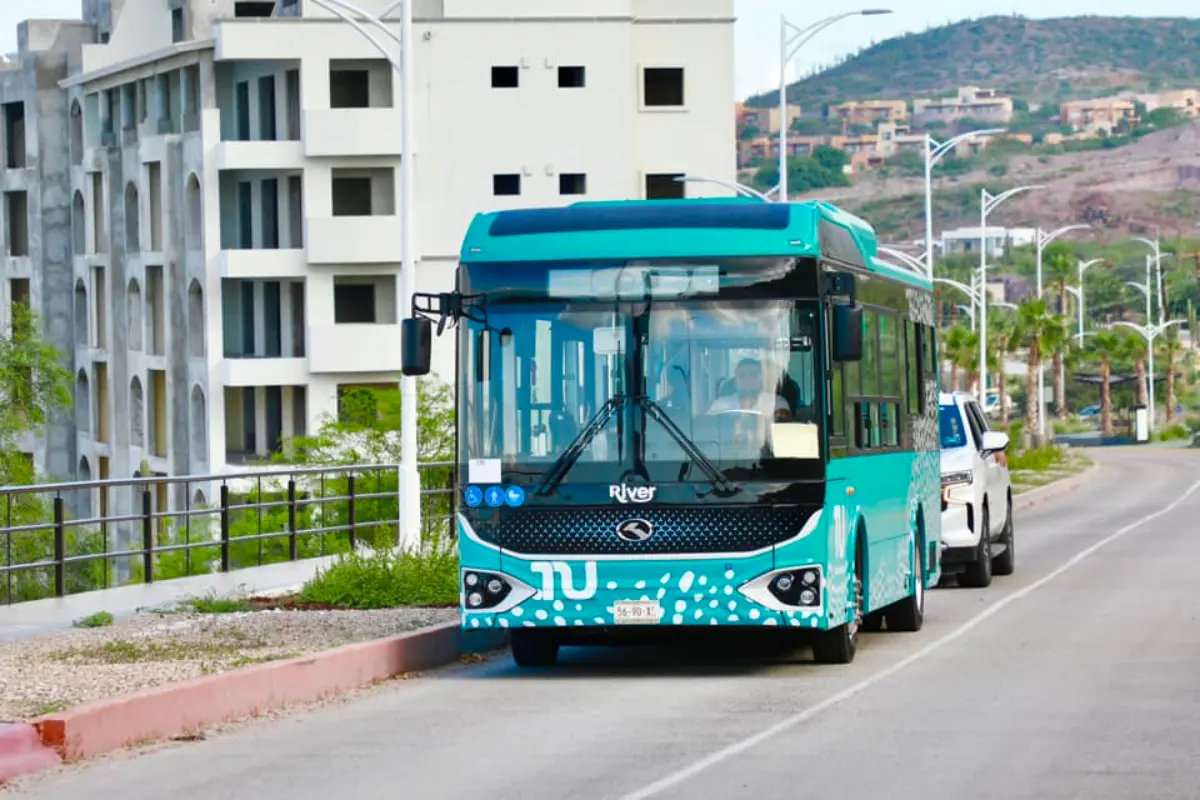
{"points": [[934, 152], [1044, 239], [912, 262], [1154, 245], [1150, 333], [410, 479], [791, 39], [970, 313], [739, 188], [1077, 293], [987, 204]]}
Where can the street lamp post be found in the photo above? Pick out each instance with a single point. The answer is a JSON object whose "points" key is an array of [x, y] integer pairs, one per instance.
{"points": [[915, 263], [1150, 332], [410, 479], [934, 152], [739, 188], [1044, 239], [1156, 248], [1144, 288], [1077, 293], [987, 204], [791, 39]]}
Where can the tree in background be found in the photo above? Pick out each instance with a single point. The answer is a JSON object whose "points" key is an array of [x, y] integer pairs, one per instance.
{"points": [[1041, 332], [1134, 346], [1104, 346], [1002, 329], [1059, 264], [962, 350], [1171, 348]]}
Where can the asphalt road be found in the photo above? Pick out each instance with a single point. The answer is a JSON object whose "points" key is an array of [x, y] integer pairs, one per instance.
{"points": [[1074, 678]]}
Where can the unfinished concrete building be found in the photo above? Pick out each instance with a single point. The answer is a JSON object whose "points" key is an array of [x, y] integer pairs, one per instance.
{"points": [[211, 192]]}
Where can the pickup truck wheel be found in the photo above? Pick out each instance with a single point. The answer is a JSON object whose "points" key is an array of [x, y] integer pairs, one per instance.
{"points": [[978, 573], [1006, 562]]}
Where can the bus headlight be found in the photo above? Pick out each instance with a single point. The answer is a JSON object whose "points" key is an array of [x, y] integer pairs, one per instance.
{"points": [[797, 587], [484, 590]]}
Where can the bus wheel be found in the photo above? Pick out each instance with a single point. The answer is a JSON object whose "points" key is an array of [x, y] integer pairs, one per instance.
{"points": [[533, 648], [838, 646], [872, 622], [908, 614]]}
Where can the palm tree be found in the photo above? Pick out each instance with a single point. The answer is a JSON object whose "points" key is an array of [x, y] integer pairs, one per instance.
{"points": [[1135, 349], [958, 349], [1059, 266], [1104, 346], [1171, 348], [1040, 332], [1001, 330]]}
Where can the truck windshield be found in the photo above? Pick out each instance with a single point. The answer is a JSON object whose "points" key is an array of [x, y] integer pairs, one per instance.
{"points": [[672, 390]]}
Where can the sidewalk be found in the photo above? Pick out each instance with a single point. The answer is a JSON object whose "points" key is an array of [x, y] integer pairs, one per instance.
{"points": [[39, 617]]}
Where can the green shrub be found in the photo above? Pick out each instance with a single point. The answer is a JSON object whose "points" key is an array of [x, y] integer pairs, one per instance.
{"points": [[385, 579], [1173, 434], [1037, 459]]}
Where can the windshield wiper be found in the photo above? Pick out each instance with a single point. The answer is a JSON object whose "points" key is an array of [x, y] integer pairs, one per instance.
{"points": [[723, 486], [560, 468]]}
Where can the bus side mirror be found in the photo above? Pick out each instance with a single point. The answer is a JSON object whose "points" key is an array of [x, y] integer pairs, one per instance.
{"points": [[847, 332], [416, 346]]}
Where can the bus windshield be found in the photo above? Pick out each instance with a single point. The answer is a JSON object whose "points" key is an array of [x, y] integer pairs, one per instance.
{"points": [[668, 389]]}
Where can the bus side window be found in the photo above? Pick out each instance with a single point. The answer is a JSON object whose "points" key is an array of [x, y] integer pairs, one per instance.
{"points": [[864, 432], [912, 370]]}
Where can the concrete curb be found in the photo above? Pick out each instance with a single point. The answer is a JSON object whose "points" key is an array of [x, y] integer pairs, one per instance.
{"points": [[1051, 491], [174, 710], [22, 751]]}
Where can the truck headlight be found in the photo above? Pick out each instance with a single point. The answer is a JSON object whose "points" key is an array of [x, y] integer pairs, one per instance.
{"points": [[956, 478]]}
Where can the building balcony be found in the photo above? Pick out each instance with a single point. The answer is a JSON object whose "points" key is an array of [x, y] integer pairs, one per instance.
{"points": [[353, 240], [340, 132], [354, 349], [263, 264], [264, 371], [270, 155]]}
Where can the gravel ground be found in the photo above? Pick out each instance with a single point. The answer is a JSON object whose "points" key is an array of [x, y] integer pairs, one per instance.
{"points": [[51, 673]]}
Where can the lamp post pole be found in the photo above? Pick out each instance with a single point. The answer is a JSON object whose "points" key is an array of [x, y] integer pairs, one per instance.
{"points": [[934, 152], [1083, 267], [791, 39], [1044, 239], [987, 204], [410, 479]]}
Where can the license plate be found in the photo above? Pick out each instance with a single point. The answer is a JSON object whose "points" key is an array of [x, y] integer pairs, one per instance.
{"points": [[637, 612]]}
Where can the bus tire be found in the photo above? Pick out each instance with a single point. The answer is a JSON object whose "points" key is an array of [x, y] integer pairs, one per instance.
{"points": [[533, 648], [978, 573], [838, 645], [908, 615], [1006, 562]]}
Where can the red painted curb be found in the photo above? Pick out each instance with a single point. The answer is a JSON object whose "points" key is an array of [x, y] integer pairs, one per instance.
{"points": [[22, 751], [168, 711]]}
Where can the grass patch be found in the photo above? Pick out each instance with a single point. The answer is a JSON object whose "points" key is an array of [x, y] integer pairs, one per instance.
{"points": [[386, 580], [212, 603], [48, 707], [123, 651], [1037, 459], [1174, 433], [101, 619]]}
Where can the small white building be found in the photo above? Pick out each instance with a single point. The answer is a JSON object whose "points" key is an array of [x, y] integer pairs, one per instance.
{"points": [[997, 241]]}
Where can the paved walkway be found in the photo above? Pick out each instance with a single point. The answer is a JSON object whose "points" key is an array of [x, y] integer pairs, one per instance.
{"points": [[39, 617]]}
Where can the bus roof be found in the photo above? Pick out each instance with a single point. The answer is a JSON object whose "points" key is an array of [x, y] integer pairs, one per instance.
{"points": [[702, 227]]}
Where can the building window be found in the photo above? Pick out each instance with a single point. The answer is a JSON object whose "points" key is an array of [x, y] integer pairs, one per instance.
{"points": [[664, 186], [662, 87], [177, 32], [353, 302], [254, 8], [363, 192], [572, 77], [349, 88], [14, 135], [506, 77], [506, 185], [16, 208], [572, 183]]}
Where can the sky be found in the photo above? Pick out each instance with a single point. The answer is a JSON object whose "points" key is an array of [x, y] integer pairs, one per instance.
{"points": [[758, 25]]}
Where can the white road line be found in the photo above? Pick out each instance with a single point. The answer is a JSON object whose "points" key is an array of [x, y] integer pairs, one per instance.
{"points": [[678, 777]]}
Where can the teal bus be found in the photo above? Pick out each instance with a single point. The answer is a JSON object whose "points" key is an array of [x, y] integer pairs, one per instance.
{"points": [[675, 414]]}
